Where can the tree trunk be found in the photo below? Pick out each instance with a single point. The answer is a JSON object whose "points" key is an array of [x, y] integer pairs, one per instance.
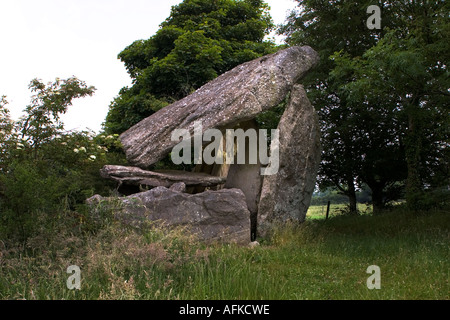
{"points": [[351, 193], [413, 147], [377, 198]]}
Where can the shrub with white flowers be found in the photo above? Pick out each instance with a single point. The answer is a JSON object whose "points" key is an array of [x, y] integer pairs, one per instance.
{"points": [[42, 165]]}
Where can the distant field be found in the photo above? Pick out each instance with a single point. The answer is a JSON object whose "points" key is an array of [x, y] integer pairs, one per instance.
{"points": [[319, 211]]}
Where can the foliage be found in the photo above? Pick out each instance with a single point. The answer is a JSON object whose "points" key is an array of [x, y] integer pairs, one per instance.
{"points": [[330, 27], [200, 40], [42, 120], [336, 197], [405, 76], [6, 128], [45, 169], [372, 112]]}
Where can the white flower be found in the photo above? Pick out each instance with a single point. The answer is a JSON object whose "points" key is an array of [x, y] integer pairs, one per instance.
{"points": [[83, 149], [76, 150], [20, 145], [64, 143], [92, 158]]}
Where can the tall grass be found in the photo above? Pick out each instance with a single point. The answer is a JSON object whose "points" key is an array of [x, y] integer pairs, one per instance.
{"points": [[316, 260]]}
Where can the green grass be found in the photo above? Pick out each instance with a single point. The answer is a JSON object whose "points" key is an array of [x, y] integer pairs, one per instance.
{"points": [[320, 259]]}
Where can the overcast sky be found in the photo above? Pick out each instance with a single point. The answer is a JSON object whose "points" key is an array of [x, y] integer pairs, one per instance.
{"points": [[46, 39]]}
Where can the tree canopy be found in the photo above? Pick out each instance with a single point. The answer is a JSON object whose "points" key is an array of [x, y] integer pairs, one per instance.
{"points": [[381, 94], [200, 40]]}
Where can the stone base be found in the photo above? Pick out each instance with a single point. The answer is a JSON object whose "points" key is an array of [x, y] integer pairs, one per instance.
{"points": [[213, 215]]}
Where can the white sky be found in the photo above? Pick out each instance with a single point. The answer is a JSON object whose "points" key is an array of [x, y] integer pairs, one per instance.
{"points": [[46, 39]]}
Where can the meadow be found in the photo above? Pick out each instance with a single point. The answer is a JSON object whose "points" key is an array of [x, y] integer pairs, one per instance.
{"points": [[317, 260]]}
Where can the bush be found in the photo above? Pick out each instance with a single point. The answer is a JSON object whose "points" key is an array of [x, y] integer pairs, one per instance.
{"points": [[65, 173], [45, 171], [26, 192]]}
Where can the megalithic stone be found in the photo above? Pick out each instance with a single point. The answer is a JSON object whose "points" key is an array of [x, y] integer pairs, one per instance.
{"points": [[286, 196], [247, 177], [236, 96], [212, 215], [161, 178]]}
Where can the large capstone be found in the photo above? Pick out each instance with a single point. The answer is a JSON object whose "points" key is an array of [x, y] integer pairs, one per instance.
{"points": [[234, 97]]}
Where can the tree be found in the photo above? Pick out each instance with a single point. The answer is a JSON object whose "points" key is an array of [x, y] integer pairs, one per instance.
{"points": [[372, 116], [6, 128], [329, 27], [42, 121], [407, 69], [44, 170], [200, 40]]}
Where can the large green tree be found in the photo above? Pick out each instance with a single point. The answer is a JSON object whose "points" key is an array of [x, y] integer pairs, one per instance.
{"points": [[408, 70], [200, 40], [329, 27], [365, 131]]}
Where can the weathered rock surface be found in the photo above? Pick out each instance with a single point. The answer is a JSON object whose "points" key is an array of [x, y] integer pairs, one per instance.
{"points": [[236, 96], [248, 200], [287, 195], [179, 187], [247, 177], [163, 178], [213, 215]]}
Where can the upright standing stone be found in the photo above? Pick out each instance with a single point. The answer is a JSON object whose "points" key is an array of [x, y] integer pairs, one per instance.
{"points": [[287, 195]]}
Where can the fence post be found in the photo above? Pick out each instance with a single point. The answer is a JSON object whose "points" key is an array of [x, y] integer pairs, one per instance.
{"points": [[328, 209]]}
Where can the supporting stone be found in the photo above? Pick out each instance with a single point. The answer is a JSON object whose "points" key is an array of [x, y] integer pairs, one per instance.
{"points": [[212, 215], [247, 177], [286, 196], [215, 170]]}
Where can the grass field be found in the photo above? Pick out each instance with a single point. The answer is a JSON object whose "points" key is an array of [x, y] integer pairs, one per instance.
{"points": [[319, 212], [316, 260]]}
